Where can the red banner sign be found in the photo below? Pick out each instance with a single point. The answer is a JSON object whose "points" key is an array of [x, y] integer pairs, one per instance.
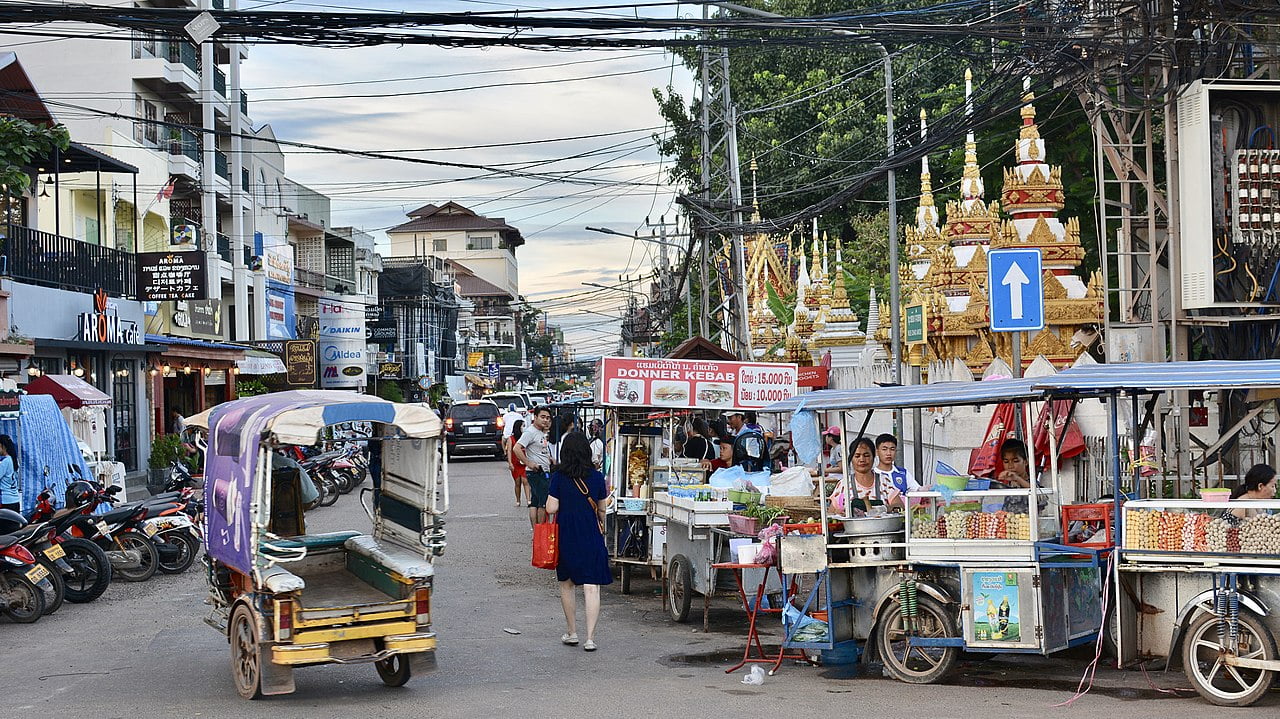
{"points": [[815, 377], [693, 384]]}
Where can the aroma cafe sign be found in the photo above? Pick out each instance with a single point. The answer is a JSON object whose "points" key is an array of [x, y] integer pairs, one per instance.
{"points": [[104, 325]]}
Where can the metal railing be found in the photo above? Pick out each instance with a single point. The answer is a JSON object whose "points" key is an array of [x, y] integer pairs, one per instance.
{"points": [[219, 82], [308, 278], [220, 166], [185, 53], [224, 247], [49, 260], [184, 142]]}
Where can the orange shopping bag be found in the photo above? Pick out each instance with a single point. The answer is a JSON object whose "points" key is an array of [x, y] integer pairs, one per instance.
{"points": [[546, 545]]}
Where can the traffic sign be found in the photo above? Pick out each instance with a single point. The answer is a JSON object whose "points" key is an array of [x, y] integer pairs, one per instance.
{"points": [[1015, 287], [915, 324], [495, 370]]}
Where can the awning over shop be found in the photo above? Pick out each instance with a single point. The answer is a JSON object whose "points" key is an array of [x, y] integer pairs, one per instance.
{"points": [[69, 391], [260, 362], [189, 348]]}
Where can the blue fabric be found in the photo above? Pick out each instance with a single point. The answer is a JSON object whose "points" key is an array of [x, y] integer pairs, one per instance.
{"points": [[46, 450], [583, 558], [384, 412]]}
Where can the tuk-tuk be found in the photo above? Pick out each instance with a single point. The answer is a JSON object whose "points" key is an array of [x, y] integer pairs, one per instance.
{"points": [[286, 597]]}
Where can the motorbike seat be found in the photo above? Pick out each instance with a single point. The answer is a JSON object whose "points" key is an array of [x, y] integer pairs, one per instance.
{"points": [[8, 540], [163, 498], [119, 514]]}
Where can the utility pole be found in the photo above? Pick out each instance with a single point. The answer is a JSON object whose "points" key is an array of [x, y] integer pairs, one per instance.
{"points": [[704, 75]]}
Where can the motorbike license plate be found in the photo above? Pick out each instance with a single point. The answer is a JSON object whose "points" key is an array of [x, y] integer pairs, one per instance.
{"points": [[37, 573], [150, 529], [55, 552], [103, 529]]}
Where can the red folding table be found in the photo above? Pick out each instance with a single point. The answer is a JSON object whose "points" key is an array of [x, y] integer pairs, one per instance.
{"points": [[754, 610]]}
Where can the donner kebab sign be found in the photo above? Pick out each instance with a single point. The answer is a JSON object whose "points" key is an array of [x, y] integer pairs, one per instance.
{"points": [[104, 323]]}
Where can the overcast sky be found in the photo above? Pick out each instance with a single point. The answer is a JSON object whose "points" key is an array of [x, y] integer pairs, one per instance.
{"points": [[427, 112]]}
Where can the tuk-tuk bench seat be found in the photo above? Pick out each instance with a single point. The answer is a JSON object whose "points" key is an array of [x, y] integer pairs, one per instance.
{"points": [[327, 540], [279, 580], [400, 562]]}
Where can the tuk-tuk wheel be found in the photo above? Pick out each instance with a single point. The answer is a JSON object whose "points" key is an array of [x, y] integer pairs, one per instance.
{"points": [[246, 668], [1229, 686], [394, 670]]}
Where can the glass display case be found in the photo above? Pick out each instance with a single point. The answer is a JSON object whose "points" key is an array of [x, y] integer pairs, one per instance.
{"points": [[1193, 530], [979, 525]]}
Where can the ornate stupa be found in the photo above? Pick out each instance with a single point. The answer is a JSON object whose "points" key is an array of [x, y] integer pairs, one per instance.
{"points": [[924, 238], [953, 284], [797, 342], [841, 333]]}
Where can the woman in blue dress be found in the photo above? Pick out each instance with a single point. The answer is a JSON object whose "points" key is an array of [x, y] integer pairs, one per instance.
{"points": [[577, 499]]}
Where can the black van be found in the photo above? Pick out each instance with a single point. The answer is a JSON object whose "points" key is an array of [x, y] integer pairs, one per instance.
{"points": [[474, 425]]}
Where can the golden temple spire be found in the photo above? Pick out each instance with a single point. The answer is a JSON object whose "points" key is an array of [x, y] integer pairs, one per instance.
{"points": [[755, 197], [926, 213], [971, 188], [839, 295]]}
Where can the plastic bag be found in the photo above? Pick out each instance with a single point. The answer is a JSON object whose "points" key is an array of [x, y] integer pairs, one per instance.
{"points": [[768, 552], [803, 628], [793, 482], [755, 677], [804, 436]]}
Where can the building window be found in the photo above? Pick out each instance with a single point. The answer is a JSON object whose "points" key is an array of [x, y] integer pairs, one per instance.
{"points": [[480, 243], [145, 131], [124, 413], [440, 244], [124, 238]]}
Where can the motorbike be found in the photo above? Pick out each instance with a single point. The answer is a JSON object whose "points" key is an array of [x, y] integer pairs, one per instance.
{"points": [[38, 539], [24, 582], [134, 556], [87, 571]]}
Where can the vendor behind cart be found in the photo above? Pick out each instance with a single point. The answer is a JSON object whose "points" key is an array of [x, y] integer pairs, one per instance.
{"points": [[749, 449], [871, 489], [1259, 483]]}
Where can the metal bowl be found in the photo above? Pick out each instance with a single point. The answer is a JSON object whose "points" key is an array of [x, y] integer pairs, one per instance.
{"points": [[873, 525]]}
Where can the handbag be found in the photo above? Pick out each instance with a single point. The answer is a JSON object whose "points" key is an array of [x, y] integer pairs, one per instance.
{"points": [[546, 544]]}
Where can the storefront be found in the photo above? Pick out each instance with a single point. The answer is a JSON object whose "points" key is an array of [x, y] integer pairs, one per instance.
{"points": [[190, 376], [98, 339]]}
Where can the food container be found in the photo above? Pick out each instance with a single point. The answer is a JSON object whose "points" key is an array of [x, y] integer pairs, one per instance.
{"points": [[873, 525], [750, 526], [634, 504], [1215, 494], [741, 496], [867, 548], [747, 553]]}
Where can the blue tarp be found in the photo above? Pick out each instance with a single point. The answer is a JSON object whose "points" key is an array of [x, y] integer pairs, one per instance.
{"points": [[46, 448]]}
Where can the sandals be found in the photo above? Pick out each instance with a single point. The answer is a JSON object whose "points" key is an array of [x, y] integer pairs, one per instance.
{"points": [[572, 640]]}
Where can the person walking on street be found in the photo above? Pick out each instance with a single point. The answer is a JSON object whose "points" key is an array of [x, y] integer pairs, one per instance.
{"points": [[534, 453], [514, 465], [576, 497], [10, 490]]}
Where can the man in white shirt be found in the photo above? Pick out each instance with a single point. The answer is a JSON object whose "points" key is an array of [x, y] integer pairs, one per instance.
{"points": [[533, 450], [885, 466], [509, 421]]}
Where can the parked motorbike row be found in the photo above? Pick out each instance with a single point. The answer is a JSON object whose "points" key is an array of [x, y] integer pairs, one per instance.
{"points": [[72, 554], [334, 472]]}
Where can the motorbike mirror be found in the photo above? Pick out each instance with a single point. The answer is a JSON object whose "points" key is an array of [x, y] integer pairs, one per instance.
{"points": [[114, 489]]}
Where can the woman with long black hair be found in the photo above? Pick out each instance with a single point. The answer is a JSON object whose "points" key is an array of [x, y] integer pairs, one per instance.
{"points": [[1259, 483], [577, 499], [10, 489]]}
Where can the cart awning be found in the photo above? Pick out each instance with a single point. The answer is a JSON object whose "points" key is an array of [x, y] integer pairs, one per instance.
{"points": [[1158, 376], [260, 362], [918, 395], [297, 416], [69, 391]]}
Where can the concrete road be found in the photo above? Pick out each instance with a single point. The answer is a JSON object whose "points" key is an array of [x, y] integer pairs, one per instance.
{"points": [[142, 650]]}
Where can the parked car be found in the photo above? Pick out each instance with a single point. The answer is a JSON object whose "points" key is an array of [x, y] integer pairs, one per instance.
{"points": [[537, 398], [519, 399], [474, 426]]}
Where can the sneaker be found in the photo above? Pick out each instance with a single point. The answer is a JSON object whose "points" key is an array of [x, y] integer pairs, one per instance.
{"points": [[571, 640], [589, 646]]}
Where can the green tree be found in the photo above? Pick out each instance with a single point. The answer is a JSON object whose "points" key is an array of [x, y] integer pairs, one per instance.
{"points": [[20, 143]]}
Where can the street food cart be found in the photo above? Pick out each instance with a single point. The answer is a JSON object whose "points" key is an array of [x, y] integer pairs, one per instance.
{"points": [[668, 495], [285, 597], [1198, 585], [978, 569]]}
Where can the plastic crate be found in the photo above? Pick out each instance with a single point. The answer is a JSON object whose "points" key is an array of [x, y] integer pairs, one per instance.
{"points": [[750, 526], [1095, 515]]}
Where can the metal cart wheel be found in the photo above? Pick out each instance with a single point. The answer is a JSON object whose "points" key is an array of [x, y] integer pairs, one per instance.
{"points": [[1203, 652], [916, 665], [679, 587]]}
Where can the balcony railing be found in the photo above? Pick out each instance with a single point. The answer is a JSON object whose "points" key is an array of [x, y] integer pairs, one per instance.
{"points": [[219, 82], [244, 103], [184, 142], [307, 278], [224, 249], [42, 258], [185, 53], [220, 166]]}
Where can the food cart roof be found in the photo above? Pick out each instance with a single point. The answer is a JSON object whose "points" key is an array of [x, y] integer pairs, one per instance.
{"points": [[1158, 376], [299, 415], [919, 395]]}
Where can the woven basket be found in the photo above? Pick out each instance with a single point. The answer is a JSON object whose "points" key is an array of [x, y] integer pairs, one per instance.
{"points": [[797, 507]]}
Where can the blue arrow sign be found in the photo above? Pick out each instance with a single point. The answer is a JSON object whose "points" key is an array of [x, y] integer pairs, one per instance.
{"points": [[1015, 288]]}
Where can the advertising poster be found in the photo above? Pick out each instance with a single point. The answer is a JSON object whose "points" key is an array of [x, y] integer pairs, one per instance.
{"points": [[206, 317], [300, 362], [995, 607], [281, 324], [694, 384], [165, 276]]}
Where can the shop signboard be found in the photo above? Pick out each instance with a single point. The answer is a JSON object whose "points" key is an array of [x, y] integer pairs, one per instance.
{"points": [[342, 364], [9, 403], [391, 370], [381, 331], [278, 264], [475, 359], [184, 235], [105, 325], [341, 320], [915, 327], [166, 276], [299, 360], [281, 322], [814, 377], [206, 317], [700, 384]]}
